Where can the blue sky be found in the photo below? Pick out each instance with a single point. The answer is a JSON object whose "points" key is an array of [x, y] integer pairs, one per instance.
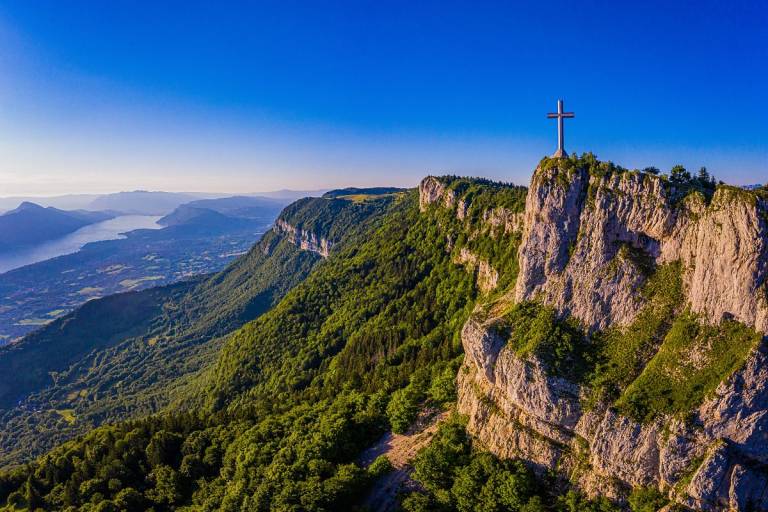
{"points": [[240, 97]]}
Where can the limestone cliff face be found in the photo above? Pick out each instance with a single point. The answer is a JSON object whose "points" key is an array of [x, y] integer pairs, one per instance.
{"points": [[516, 410], [496, 221], [725, 253], [586, 244], [585, 239], [305, 240], [431, 191], [503, 221]]}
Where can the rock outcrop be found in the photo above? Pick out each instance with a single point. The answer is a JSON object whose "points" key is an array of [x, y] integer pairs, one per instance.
{"points": [[726, 253], [503, 221], [305, 240], [432, 190], [494, 222], [587, 238], [588, 244], [516, 410], [487, 277]]}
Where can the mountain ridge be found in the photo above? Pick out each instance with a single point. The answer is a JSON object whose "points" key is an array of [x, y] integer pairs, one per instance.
{"points": [[573, 258], [468, 292], [30, 224]]}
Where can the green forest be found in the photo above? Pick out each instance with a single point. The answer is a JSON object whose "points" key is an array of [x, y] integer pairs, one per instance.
{"points": [[258, 388]]}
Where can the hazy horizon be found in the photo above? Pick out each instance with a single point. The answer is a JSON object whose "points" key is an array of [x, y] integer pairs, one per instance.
{"points": [[188, 192], [99, 98]]}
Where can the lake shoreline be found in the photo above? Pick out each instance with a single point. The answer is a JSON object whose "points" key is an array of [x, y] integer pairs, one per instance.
{"points": [[111, 229]]}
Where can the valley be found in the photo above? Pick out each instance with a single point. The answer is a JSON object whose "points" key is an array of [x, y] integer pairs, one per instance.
{"points": [[148, 255], [144, 258], [111, 229], [361, 257], [300, 371]]}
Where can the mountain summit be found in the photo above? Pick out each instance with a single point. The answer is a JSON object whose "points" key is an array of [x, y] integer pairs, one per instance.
{"points": [[667, 387], [596, 342]]}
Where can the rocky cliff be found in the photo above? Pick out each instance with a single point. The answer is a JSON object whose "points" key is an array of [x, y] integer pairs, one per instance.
{"points": [[306, 240], [591, 238], [577, 224], [472, 222]]}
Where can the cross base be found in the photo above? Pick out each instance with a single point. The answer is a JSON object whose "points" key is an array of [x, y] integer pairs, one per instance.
{"points": [[560, 153]]}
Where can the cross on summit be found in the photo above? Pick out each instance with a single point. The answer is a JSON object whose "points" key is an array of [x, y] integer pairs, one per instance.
{"points": [[560, 115]]}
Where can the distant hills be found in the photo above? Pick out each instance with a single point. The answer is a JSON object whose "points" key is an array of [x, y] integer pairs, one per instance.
{"points": [[189, 217], [142, 202], [135, 202], [216, 213], [145, 202], [64, 202], [288, 196], [242, 206], [31, 224]]}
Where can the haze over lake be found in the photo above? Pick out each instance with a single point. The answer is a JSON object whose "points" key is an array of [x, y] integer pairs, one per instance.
{"points": [[107, 230]]}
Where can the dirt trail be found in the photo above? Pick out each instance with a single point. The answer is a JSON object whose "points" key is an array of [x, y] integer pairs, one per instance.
{"points": [[400, 449]]}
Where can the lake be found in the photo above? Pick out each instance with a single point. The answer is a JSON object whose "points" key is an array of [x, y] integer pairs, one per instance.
{"points": [[107, 230]]}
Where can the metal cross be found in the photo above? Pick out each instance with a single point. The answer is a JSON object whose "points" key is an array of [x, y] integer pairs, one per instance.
{"points": [[560, 115]]}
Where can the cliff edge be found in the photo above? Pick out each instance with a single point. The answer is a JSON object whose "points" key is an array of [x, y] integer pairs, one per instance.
{"points": [[631, 349]]}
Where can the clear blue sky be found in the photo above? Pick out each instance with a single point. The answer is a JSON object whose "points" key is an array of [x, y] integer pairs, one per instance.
{"points": [[228, 96]]}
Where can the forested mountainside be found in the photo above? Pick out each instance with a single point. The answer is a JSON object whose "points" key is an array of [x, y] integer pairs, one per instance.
{"points": [[592, 358], [127, 355]]}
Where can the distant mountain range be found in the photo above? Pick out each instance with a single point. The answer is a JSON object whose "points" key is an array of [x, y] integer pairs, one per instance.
{"points": [[31, 224], [145, 202], [288, 196], [227, 211], [242, 206], [141, 202], [193, 241]]}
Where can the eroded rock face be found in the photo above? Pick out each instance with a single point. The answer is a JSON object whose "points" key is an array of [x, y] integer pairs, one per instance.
{"points": [[552, 216], [586, 244], [304, 239], [430, 191], [576, 227], [487, 277], [586, 239], [516, 410], [726, 256], [496, 222], [503, 221]]}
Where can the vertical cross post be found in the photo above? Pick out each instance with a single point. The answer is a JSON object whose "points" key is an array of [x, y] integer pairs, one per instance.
{"points": [[560, 115]]}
